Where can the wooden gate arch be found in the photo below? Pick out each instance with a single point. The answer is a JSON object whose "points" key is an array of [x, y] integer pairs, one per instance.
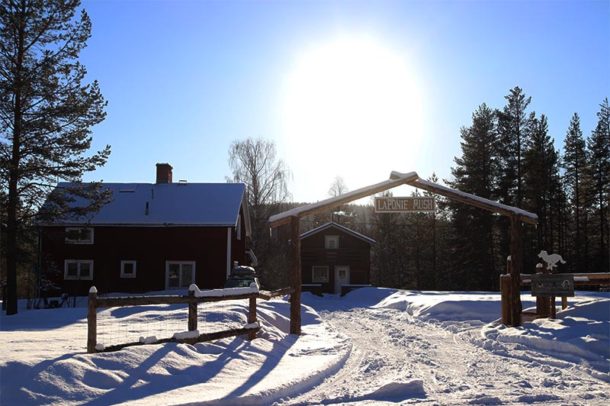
{"points": [[517, 218]]}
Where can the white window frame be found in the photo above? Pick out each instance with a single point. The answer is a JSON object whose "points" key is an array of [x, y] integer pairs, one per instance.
{"points": [[320, 280], [168, 263], [127, 275], [78, 229], [327, 242], [78, 263]]}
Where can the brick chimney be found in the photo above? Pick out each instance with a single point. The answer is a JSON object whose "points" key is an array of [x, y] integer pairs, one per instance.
{"points": [[164, 173]]}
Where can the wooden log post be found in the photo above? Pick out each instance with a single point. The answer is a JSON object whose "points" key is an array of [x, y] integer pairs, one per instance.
{"points": [[564, 302], [505, 285], [252, 317], [543, 303], [553, 308], [192, 322], [295, 277], [516, 256], [92, 320]]}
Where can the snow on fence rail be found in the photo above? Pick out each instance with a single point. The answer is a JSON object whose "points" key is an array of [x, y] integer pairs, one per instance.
{"points": [[194, 297]]}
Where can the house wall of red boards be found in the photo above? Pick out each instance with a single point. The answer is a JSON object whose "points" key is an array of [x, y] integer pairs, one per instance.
{"points": [[150, 247]]}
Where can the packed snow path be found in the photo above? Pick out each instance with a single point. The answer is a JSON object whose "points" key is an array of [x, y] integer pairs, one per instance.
{"points": [[397, 358]]}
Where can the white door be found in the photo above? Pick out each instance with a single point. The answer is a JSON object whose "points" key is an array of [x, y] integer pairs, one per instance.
{"points": [[341, 277]]}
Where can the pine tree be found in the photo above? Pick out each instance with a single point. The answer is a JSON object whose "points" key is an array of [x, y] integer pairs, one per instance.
{"points": [[541, 188], [513, 124], [46, 112], [476, 172], [599, 154], [574, 163], [513, 127]]}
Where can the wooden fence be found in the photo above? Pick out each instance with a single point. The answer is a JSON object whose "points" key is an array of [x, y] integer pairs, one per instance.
{"points": [[191, 300], [546, 306]]}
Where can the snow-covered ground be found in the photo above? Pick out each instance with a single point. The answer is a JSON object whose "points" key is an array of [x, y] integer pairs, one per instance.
{"points": [[372, 346], [43, 358]]}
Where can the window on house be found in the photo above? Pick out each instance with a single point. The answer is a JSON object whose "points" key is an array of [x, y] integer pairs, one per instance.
{"points": [[79, 235], [179, 274], [331, 242], [78, 269], [319, 274], [128, 269]]}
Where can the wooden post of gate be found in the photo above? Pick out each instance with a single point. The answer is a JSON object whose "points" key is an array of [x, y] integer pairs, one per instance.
{"points": [[295, 297], [564, 302], [516, 251], [92, 320], [252, 317], [192, 318]]}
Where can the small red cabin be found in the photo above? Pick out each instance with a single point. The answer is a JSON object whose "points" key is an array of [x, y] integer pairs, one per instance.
{"points": [[335, 259], [160, 236]]}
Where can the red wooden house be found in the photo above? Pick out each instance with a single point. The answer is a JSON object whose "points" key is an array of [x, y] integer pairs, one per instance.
{"points": [[335, 258], [150, 237]]}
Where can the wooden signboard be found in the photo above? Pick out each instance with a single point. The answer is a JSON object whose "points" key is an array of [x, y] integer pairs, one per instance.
{"points": [[403, 204], [552, 285]]}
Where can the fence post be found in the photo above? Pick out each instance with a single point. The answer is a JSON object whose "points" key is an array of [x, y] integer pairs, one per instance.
{"points": [[192, 322], [542, 302], [564, 302], [252, 316], [505, 285], [553, 308], [92, 320]]}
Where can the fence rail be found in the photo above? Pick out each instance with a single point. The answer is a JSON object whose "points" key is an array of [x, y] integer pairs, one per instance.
{"points": [[191, 300], [545, 306]]}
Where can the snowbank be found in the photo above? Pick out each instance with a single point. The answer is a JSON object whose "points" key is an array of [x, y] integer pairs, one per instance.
{"points": [[580, 334], [43, 359]]}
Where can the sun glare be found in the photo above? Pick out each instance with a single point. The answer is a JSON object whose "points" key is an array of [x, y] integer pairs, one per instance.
{"points": [[350, 108]]}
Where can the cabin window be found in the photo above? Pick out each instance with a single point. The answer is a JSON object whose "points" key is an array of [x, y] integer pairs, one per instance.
{"points": [[128, 269], [78, 269], [179, 274], [319, 274], [79, 235], [331, 242]]}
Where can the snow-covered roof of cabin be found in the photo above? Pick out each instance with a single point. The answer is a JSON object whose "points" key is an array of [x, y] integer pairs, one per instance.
{"points": [[188, 204], [340, 227]]}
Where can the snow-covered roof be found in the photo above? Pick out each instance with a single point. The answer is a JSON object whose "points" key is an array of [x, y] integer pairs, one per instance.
{"points": [[340, 227], [188, 204]]}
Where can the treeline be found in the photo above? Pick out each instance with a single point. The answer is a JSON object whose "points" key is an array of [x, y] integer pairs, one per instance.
{"points": [[507, 155]]}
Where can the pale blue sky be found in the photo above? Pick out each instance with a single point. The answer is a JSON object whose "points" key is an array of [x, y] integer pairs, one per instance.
{"points": [[185, 78]]}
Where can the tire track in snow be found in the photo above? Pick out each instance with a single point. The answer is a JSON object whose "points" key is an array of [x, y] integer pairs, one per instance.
{"points": [[392, 348]]}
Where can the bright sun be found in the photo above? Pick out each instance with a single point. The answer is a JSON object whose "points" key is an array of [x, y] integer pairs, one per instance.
{"points": [[350, 108]]}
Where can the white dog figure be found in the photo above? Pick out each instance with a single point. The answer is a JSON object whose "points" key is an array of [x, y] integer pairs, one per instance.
{"points": [[551, 260]]}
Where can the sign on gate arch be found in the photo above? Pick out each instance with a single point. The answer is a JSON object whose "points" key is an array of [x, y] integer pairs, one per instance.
{"points": [[389, 204]]}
